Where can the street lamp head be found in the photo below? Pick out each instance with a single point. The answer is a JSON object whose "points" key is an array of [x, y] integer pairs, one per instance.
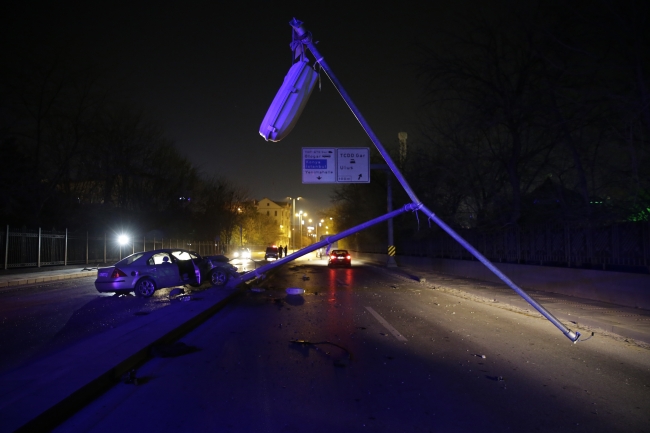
{"points": [[123, 239]]}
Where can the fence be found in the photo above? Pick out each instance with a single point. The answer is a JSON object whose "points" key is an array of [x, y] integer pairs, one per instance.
{"points": [[621, 246], [36, 248]]}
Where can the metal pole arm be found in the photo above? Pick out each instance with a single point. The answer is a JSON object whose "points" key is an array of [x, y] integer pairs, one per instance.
{"points": [[331, 239]]}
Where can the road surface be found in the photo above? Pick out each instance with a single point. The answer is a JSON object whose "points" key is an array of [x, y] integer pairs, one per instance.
{"points": [[365, 350]]}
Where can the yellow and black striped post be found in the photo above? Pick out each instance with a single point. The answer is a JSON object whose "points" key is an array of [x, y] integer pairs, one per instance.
{"points": [[391, 263]]}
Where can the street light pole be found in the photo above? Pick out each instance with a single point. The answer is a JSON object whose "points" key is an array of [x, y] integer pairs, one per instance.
{"points": [[293, 223], [300, 223], [300, 214], [305, 39], [241, 228], [301, 230]]}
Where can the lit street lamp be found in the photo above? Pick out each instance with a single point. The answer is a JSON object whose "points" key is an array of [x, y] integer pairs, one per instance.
{"points": [[241, 228], [122, 240]]}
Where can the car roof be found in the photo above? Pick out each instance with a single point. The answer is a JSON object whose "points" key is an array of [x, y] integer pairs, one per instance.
{"points": [[163, 250]]}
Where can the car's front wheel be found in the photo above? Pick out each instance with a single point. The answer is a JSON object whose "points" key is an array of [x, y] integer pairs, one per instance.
{"points": [[218, 277], [144, 288]]}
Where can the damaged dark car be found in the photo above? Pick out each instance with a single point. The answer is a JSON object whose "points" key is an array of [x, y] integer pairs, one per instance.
{"points": [[145, 272]]}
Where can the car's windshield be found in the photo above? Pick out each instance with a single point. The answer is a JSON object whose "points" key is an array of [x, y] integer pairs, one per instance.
{"points": [[184, 255]]}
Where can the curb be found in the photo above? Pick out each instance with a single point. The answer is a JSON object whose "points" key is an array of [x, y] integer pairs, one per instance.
{"points": [[44, 279]]}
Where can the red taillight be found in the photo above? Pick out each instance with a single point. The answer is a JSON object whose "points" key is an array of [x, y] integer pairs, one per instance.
{"points": [[117, 273], [348, 257], [332, 256]]}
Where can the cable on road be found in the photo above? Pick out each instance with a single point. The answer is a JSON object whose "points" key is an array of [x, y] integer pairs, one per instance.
{"points": [[580, 341], [338, 363]]}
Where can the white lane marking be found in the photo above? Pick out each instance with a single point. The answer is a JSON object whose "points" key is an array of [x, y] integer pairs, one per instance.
{"points": [[387, 325]]}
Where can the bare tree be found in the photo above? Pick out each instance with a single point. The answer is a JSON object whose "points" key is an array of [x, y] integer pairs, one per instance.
{"points": [[487, 84], [51, 101]]}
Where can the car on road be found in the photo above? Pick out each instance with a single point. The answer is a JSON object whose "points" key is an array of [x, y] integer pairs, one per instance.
{"points": [[145, 272], [339, 258], [271, 253], [242, 253]]}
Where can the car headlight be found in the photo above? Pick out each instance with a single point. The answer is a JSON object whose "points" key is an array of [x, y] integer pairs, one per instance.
{"points": [[236, 254]]}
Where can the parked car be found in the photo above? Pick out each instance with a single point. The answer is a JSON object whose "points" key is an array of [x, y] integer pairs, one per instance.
{"points": [[340, 258], [242, 253], [145, 272], [271, 253]]}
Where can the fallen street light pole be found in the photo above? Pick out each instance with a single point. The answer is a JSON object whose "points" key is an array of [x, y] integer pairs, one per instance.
{"points": [[304, 38], [259, 272]]}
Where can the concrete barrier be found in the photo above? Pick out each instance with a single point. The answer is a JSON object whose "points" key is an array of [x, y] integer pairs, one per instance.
{"points": [[620, 288]]}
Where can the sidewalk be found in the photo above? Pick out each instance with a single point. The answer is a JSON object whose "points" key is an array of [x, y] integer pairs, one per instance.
{"points": [[11, 278], [574, 313]]}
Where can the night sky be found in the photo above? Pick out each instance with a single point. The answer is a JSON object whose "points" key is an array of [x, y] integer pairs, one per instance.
{"points": [[208, 72]]}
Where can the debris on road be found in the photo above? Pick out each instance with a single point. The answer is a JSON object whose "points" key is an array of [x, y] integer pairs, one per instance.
{"points": [[129, 377], [175, 292], [338, 362], [295, 291]]}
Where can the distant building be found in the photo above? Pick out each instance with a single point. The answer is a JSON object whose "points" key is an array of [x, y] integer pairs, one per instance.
{"points": [[280, 211]]}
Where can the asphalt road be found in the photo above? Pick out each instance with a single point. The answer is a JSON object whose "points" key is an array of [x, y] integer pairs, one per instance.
{"points": [[364, 350], [40, 319]]}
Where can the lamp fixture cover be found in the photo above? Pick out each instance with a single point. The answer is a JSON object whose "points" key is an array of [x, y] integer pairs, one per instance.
{"points": [[289, 102]]}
